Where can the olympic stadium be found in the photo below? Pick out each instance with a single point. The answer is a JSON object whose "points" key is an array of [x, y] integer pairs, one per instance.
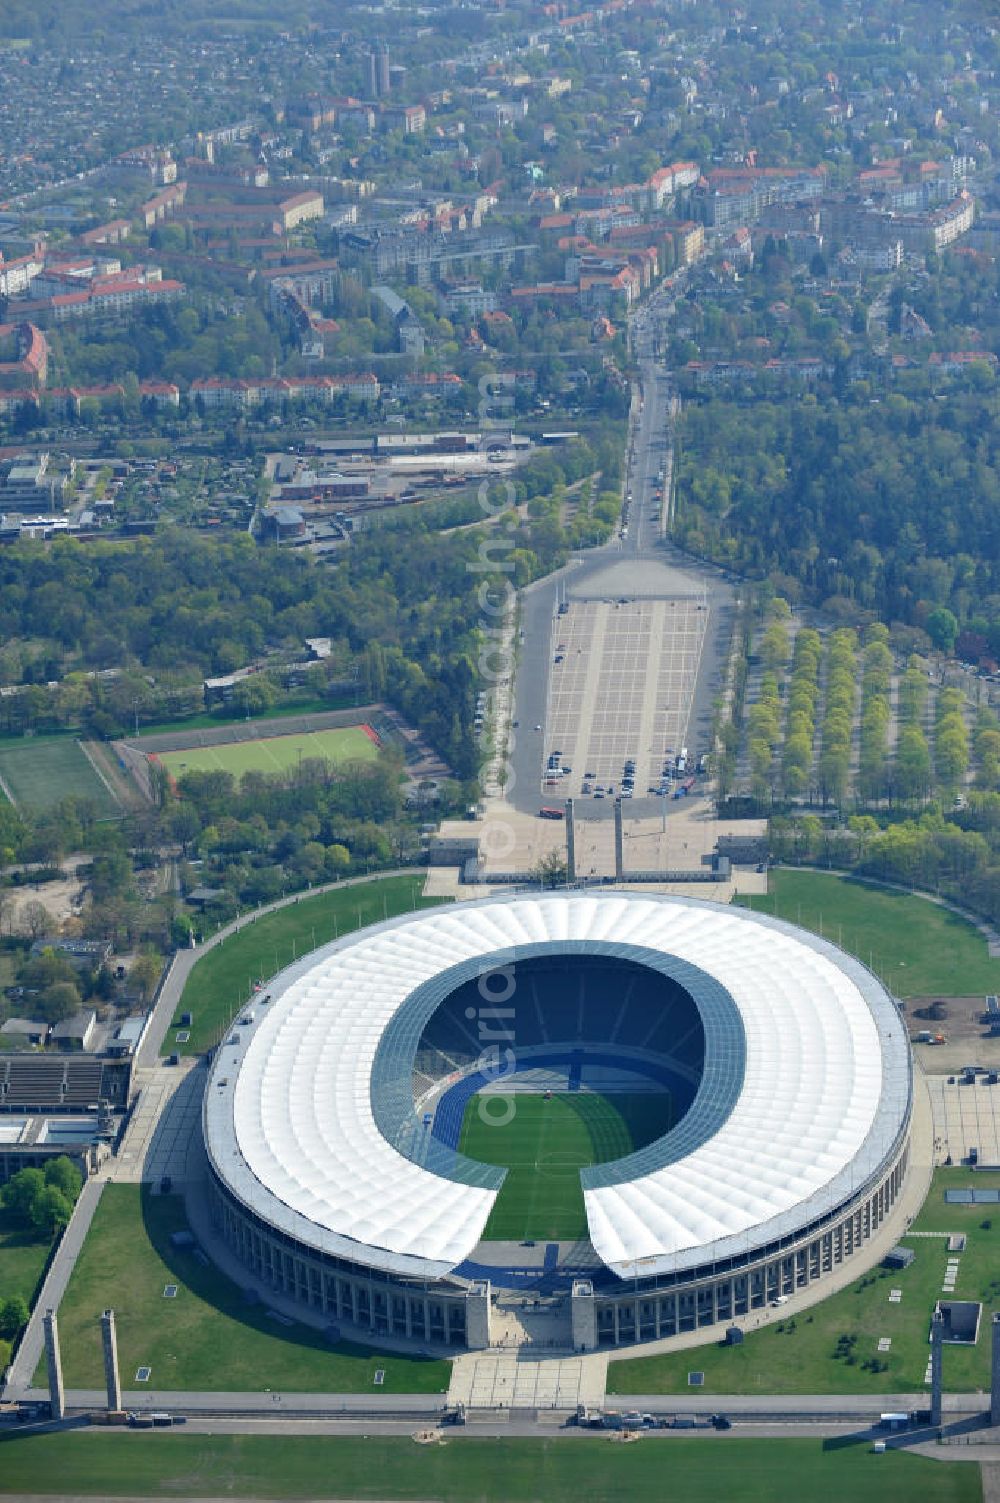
{"points": [[641, 1114]]}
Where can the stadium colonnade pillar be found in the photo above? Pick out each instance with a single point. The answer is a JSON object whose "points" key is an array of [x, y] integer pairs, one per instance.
{"points": [[570, 842], [937, 1351], [478, 1310], [53, 1363], [584, 1316], [109, 1341]]}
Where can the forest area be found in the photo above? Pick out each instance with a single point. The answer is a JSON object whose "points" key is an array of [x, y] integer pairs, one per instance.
{"points": [[158, 615], [887, 508]]}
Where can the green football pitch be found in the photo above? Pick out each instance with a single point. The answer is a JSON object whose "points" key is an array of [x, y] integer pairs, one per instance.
{"points": [[545, 1143], [39, 771], [272, 753]]}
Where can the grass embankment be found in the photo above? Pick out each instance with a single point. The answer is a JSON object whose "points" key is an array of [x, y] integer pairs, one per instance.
{"points": [[225, 976], [800, 1353], [206, 1337], [488, 1471], [917, 947], [22, 1258]]}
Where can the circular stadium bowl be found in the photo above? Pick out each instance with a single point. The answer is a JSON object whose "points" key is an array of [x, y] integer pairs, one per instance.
{"points": [[334, 1105]]}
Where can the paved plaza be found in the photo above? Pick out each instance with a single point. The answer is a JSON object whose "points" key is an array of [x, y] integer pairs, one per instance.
{"points": [[487, 1380], [165, 1116], [965, 1116], [622, 677]]}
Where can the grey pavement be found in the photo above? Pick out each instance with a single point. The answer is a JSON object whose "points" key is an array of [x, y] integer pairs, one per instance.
{"points": [[834, 1405], [179, 1401], [160, 1126], [644, 566]]}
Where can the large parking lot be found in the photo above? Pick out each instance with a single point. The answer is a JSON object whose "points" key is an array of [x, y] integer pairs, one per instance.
{"points": [[622, 676]]}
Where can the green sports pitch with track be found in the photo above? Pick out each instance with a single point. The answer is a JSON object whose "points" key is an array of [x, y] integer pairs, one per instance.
{"points": [[545, 1144], [273, 753]]}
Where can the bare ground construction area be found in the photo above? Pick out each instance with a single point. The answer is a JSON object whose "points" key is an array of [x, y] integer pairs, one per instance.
{"points": [[960, 1022], [62, 899]]}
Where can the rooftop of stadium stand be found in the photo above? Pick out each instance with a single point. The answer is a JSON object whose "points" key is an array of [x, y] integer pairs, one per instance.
{"points": [[798, 1062]]}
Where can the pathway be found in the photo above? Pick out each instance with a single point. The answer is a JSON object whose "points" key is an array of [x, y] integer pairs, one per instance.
{"points": [[166, 1112]]}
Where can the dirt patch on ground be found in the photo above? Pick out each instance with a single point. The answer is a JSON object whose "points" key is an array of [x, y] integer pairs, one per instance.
{"points": [[61, 899], [960, 1020]]}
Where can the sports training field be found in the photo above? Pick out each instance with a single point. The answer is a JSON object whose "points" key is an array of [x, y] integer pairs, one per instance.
{"points": [[273, 753], [546, 1143], [40, 771]]}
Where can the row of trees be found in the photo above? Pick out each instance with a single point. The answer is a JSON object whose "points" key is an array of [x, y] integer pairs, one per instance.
{"points": [[958, 857], [800, 713], [951, 739], [841, 689], [876, 714], [764, 716]]}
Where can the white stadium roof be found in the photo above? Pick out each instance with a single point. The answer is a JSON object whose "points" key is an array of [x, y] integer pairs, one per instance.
{"points": [[806, 1086]]}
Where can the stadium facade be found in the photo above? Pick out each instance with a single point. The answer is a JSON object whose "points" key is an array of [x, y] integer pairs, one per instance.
{"points": [[333, 1106]]}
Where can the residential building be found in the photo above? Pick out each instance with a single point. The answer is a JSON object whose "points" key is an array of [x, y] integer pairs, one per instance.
{"points": [[411, 119], [470, 298], [299, 208], [29, 369]]}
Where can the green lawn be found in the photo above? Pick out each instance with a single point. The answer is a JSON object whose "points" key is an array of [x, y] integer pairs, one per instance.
{"points": [[470, 1470], [207, 1337], [918, 948], [796, 1355], [545, 1144], [41, 770], [224, 977], [272, 753], [22, 1258]]}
